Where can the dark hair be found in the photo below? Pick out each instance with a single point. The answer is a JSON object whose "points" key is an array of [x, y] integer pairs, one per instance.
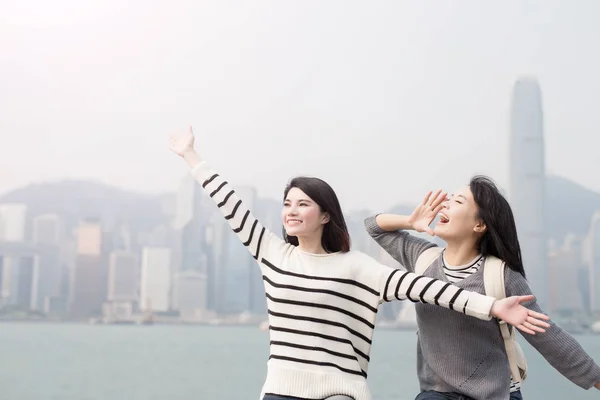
{"points": [[500, 238], [335, 233]]}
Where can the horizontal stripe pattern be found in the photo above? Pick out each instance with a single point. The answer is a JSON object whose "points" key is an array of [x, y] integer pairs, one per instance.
{"points": [[322, 308]]}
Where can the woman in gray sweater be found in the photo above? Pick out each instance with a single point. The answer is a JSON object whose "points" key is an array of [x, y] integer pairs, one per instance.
{"points": [[467, 358]]}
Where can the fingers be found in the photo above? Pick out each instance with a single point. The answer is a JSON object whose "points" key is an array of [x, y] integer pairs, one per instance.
{"points": [[538, 315], [533, 327], [525, 329], [434, 198], [439, 200], [426, 199], [537, 322], [523, 299]]}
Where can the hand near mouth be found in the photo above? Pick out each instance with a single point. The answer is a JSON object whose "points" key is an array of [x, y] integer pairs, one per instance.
{"points": [[425, 212]]}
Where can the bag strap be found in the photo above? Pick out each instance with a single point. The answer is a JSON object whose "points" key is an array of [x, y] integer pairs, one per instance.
{"points": [[493, 279], [427, 258]]}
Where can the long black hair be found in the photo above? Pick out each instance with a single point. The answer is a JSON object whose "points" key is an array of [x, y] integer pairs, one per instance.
{"points": [[500, 238], [335, 232]]}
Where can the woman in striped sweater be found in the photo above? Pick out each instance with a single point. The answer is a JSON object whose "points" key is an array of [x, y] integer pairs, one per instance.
{"points": [[476, 222], [323, 298]]}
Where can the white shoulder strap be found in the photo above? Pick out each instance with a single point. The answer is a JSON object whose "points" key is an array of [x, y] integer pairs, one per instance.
{"points": [[493, 280], [493, 277], [427, 258]]}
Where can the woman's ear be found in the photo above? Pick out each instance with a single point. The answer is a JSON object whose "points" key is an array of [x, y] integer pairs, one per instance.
{"points": [[480, 227]]}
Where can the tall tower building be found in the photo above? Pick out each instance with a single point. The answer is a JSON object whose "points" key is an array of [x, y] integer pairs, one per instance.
{"points": [[527, 181], [47, 235], [88, 288]]}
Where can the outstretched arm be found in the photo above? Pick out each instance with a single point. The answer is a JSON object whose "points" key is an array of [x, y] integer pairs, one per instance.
{"points": [[557, 346], [400, 285], [256, 238]]}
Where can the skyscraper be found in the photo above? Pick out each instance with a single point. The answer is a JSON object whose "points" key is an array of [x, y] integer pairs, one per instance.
{"points": [[88, 288], [527, 181], [123, 276], [155, 280], [47, 232]]}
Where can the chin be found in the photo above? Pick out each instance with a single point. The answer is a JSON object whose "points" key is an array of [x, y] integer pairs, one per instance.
{"points": [[440, 232]]}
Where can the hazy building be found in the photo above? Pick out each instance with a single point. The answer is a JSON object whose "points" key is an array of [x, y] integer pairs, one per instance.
{"points": [[19, 277], [527, 181], [47, 229], [155, 279], [123, 276], [564, 264], [12, 222], [190, 294], [88, 284], [47, 238]]}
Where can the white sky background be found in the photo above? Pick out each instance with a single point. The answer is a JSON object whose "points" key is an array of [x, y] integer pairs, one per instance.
{"points": [[384, 100]]}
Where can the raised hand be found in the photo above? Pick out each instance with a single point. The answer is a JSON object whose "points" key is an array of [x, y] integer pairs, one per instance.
{"points": [[425, 212], [181, 144], [512, 312]]}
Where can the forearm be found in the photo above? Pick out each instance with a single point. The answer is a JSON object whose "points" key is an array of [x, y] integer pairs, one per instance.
{"points": [[393, 222], [402, 285], [192, 158]]}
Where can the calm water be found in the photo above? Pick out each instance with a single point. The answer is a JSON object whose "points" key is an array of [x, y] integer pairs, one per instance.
{"points": [[84, 362]]}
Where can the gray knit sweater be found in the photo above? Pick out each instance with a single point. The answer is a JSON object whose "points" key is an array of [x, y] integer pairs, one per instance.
{"points": [[456, 353]]}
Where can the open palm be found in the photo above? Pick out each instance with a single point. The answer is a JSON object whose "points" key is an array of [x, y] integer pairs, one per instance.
{"points": [[425, 212], [513, 313], [182, 143]]}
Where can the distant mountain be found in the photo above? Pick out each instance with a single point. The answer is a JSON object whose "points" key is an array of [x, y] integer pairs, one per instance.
{"points": [[74, 200], [569, 206]]}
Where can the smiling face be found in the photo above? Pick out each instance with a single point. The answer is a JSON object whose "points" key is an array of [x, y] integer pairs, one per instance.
{"points": [[302, 216], [459, 218]]}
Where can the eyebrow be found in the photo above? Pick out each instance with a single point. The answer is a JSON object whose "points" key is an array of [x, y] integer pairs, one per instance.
{"points": [[299, 200], [460, 195]]}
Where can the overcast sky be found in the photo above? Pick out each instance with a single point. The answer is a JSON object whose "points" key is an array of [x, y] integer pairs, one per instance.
{"points": [[383, 99]]}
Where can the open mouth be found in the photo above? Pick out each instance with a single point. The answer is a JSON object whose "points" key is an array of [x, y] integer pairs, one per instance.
{"points": [[444, 219], [293, 222]]}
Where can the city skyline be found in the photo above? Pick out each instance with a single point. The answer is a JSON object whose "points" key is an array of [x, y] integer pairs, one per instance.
{"points": [[402, 82]]}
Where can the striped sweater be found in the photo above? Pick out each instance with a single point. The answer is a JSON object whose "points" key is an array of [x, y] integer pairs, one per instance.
{"points": [[322, 307]]}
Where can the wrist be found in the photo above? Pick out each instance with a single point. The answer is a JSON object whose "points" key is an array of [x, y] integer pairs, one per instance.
{"points": [[191, 158]]}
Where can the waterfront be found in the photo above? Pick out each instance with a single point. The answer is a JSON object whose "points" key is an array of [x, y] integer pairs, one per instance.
{"points": [[42, 361]]}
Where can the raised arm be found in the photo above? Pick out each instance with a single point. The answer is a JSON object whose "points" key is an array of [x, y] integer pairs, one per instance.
{"points": [[389, 230], [256, 238], [396, 284], [558, 347]]}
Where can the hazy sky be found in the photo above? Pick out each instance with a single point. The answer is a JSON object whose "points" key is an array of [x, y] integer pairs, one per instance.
{"points": [[384, 100]]}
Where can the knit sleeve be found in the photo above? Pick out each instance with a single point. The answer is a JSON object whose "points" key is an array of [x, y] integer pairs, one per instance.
{"points": [[397, 284], [558, 347], [254, 236], [401, 245]]}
